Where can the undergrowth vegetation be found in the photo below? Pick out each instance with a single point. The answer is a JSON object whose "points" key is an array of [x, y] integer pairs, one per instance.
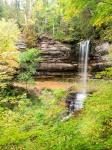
{"points": [[38, 125], [106, 74]]}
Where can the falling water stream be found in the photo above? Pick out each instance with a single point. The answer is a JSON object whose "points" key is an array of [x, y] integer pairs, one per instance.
{"points": [[76, 101], [83, 67]]}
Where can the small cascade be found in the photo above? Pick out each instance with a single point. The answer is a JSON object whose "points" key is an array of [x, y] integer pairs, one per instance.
{"points": [[83, 71]]}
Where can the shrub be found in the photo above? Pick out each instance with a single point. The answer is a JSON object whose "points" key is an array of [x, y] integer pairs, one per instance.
{"points": [[28, 64], [107, 74]]}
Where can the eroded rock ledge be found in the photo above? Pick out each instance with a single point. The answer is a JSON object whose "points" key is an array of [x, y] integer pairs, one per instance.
{"points": [[57, 58], [60, 59]]}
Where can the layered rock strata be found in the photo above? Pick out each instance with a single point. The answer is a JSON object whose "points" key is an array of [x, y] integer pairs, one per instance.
{"points": [[57, 59]]}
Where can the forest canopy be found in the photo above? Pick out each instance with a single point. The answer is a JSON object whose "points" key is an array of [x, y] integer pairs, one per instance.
{"points": [[62, 19]]}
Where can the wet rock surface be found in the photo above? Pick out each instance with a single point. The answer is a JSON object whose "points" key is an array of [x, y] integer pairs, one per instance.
{"points": [[70, 102]]}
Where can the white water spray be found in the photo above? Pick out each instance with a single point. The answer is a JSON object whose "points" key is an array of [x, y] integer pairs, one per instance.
{"points": [[83, 65]]}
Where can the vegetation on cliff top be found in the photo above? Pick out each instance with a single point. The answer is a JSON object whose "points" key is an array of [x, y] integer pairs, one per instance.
{"points": [[61, 19]]}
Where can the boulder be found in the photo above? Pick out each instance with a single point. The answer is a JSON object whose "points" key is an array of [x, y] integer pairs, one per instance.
{"points": [[102, 48], [99, 58]]}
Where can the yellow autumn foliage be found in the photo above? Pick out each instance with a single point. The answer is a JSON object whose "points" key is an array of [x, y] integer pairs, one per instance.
{"points": [[9, 34], [8, 54]]}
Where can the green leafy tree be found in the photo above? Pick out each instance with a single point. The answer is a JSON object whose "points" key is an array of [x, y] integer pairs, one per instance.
{"points": [[100, 19], [28, 65]]}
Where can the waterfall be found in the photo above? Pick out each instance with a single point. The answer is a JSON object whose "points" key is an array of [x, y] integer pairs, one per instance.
{"points": [[83, 66]]}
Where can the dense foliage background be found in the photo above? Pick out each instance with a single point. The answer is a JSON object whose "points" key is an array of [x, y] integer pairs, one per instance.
{"points": [[62, 19]]}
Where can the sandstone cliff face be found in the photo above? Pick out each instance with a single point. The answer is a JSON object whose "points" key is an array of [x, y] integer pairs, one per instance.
{"points": [[21, 45], [58, 59], [99, 56], [61, 59]]}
